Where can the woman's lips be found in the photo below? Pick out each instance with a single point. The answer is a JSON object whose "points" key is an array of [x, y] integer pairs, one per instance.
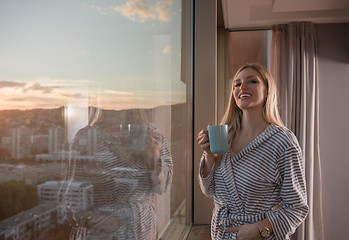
{"points": [[244, 95]]}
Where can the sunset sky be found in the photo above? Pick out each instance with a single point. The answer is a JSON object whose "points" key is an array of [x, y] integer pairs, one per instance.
{"points": [[112, 54]]}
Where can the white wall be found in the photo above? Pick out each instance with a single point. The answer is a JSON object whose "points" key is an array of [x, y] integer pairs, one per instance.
{"points": [[333, 49]]}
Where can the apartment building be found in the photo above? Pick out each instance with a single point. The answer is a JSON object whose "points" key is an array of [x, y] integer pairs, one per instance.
{"points": [[76, 194], [21, 142], [30, 174], [34, 223]]}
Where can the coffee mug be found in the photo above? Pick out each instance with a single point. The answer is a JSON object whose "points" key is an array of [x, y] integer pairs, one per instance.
{"points": [[134, 136], [218, 137], [137, 137]]}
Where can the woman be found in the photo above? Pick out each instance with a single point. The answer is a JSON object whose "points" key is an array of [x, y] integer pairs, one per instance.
{"points": [[258, 185]]}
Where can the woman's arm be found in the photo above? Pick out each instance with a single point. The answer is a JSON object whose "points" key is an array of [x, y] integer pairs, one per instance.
{"points": [[293, 208], [250, 231], [209, 158], [207, 165], [206, 182], [163, 169]]}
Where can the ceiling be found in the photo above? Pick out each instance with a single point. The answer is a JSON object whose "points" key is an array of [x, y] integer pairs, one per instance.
{"points": [[241, 14]]}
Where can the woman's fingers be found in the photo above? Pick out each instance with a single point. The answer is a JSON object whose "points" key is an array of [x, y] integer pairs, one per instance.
{"points": [[203, 133], [275, 207], [202, 137], [203, 140], [231, 229]]}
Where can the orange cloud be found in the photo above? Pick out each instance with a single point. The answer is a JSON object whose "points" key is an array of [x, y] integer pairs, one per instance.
{"points": [[21, 85], [8, 84], [163, 9], [167, 50], [142, 10], [38, 87], [76, 95]]}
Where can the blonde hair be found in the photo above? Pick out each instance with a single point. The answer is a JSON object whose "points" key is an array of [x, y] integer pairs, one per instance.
{"points": [[233, 114]]}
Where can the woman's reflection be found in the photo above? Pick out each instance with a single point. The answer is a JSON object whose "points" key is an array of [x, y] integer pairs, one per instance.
{"points": [[127, 161]]}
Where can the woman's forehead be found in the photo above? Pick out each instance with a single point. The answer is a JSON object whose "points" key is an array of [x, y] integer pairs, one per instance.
{"points": [[247, 73]]}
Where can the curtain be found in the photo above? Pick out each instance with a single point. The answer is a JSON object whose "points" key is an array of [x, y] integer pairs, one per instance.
{"points": [[295, 68]]}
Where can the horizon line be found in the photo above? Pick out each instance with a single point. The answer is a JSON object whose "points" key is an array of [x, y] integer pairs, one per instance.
{"points": [[108, 109]]}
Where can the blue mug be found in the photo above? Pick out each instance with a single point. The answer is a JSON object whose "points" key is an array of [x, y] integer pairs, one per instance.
{"points": [[137, 137], [218, 137]]}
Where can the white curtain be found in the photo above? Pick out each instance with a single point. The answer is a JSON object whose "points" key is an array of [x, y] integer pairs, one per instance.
{"points": [[294, 65]]}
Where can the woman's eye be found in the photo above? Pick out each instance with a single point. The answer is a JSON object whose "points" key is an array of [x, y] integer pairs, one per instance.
{"points": [[237, 84]]}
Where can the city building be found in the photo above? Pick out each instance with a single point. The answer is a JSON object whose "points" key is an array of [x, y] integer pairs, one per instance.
{"points": [[30, 174], [21, 142], [59, 155], [34, 223], [55, 139], [39, 143], [79, 195], [6, 144]]}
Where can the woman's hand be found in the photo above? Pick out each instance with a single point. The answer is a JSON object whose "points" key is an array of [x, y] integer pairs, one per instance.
{"points": [[245, 232], [203, 141]]}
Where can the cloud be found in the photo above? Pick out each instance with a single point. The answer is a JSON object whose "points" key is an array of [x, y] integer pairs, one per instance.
{"points": [[163, 9], [142, 10], [38, 87], [123, 93], [21, 85], [137, 9], [16, 99], [7, 84], [99, 9], [31, 102], [76, 95], [28, 99], [167, 50]]}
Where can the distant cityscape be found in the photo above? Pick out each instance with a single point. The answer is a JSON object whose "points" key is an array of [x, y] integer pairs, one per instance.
{"points": [[39, 135]]}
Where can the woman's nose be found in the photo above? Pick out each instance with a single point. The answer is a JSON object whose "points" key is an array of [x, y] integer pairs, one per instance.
{"points": [[243, 85]]}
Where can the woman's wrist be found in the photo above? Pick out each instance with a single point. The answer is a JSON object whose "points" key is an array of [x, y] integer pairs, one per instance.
{"points": [[265, 228], [209, 156], [264, 232], [267, 223], [208, 163]]}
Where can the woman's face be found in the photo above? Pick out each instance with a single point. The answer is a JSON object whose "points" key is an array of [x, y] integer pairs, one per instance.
{"points": [[249, 90]]}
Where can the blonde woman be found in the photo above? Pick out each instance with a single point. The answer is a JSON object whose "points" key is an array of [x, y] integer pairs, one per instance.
{"points": [[258, 185]]}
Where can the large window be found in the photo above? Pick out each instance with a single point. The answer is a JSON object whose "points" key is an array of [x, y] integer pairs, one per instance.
{"points": [[94, 116]]}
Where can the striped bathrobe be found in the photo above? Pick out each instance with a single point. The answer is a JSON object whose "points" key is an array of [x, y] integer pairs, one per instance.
{"points": [[245, 186]]}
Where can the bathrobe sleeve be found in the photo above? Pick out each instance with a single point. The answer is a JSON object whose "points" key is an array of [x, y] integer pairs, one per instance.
{"points": [[293, 208], [207, 184], [162, 176]]}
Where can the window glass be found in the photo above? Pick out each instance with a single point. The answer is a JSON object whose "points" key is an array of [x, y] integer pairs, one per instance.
{"points": [[94, 120]]}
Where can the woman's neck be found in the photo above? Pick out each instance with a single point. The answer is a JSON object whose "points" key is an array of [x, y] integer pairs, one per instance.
{"points": [[253, 123]]}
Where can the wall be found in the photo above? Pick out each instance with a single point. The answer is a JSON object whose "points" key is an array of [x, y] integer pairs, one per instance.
{"points": [[334, 131], [205, 78], [242, 47]]}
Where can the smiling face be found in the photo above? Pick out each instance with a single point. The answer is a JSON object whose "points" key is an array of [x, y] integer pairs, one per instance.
{"points": [[249, 90]]}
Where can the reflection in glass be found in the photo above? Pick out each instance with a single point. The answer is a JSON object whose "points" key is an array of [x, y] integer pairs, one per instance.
{"points": [[94, 124], [124, 165]]}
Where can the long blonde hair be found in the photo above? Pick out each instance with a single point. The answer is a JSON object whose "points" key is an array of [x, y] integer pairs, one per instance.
{"points": [[233, 114]]}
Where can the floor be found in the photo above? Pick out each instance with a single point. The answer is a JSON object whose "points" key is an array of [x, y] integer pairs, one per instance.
{"points": [[200, 232]]}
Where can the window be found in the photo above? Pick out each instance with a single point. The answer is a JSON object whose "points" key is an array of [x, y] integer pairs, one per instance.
{"points": [[95, 121]]}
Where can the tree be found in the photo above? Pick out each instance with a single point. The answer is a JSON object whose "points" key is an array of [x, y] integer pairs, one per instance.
{"points": [[16, 196]]}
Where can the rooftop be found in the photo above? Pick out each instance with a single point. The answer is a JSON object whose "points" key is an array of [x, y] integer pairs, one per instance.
{"points": [[26, 216]]}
